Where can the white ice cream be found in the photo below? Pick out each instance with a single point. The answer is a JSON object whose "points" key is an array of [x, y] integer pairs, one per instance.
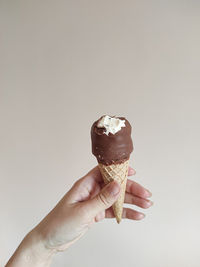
{"points": [[112, 125]]}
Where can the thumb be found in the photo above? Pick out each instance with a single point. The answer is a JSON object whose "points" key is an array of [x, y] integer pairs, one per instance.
{"points": [[107, 196]]}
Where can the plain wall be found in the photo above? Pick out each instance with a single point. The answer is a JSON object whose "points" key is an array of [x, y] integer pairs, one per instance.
{"points": [[65, 63]]}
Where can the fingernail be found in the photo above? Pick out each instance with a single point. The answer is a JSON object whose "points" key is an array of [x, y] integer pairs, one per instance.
{"points": [[148, 193], [131, 171], [141, 216], [113, 188], [149, 203]]}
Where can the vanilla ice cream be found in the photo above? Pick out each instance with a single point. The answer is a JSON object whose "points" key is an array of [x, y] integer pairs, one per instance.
{"points": [[111, 124]]}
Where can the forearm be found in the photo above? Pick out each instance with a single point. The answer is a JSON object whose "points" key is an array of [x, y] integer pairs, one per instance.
{"points": [[31, 252]]}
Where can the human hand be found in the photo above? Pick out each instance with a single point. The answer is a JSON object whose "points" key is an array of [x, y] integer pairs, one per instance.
{"points": [[87, 202]]}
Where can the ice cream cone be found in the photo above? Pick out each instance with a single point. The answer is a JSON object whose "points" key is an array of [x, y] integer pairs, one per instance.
{"points": [[117, 172]]}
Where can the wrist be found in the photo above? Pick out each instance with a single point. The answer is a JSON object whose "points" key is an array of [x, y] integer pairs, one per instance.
{"points": [[32, 252], [38, 250]]}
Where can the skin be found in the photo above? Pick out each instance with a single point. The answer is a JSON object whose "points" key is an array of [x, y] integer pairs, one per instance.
{"points": [[86, 203]]}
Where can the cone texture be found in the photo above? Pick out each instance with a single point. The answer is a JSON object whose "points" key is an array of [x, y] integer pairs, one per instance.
{"points": [[117, 172]]}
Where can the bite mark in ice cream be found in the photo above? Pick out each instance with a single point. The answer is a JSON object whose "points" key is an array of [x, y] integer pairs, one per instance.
{"points": [[111, 124]]}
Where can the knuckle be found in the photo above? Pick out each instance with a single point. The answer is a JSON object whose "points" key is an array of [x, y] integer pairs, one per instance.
{"points": [[103, 199], [78, 182]]}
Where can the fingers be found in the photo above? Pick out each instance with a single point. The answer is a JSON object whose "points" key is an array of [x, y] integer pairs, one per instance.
{"points": [[127, 214], [140, 202], [137, 190], [136, 195], [89, 185], [131, 171], [105, 199], [132, 214]]}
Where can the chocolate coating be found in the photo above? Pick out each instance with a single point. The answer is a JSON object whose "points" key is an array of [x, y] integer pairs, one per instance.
{"points": [[112, 148]]}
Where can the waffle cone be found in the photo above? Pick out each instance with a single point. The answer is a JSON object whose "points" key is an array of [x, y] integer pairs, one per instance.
{"points": [[117, 172]]}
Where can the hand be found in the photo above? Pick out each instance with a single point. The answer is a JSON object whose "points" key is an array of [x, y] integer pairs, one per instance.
{"points": [[87, 202]]}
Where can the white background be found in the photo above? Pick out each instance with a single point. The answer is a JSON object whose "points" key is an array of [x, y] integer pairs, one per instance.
{"points": [[65, 63]]}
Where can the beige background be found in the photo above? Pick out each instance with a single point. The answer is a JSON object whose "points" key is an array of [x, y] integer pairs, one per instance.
{"points": [[65, 63]]}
